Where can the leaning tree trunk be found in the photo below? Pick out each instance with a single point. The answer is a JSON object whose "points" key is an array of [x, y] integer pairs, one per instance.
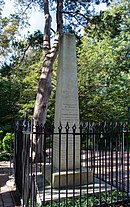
{"points": [[45, 81]]}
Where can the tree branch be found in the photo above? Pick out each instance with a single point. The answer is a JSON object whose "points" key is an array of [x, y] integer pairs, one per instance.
{"points": [[53, 30], [73, 14], [59, 18], [46, 39]]}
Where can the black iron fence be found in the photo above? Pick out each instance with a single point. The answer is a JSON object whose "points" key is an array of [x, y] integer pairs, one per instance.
{"points": [[90, 170]]}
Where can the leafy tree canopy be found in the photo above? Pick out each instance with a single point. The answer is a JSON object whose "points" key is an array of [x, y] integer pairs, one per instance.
{"points": [[76, 13], [112, 22], [103, 68], [9, 27], [103, 62]]}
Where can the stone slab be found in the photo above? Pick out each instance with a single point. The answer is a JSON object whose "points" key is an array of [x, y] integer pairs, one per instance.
{"points": [[53, 193], [70, 178]]}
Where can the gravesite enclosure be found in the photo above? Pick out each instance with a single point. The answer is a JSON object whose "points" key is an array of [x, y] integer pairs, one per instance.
{"points": [[64, 103], [82, 164]]}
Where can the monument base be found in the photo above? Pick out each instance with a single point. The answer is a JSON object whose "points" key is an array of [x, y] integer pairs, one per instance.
{"points": [[74, 178]]}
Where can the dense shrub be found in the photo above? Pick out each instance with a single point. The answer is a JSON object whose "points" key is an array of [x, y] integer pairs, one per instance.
{"points": [[4, 156], [1, 133], [6, 146], [7, 143]]}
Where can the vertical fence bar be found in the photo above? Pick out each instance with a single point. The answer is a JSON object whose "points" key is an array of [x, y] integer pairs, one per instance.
{"points": [[122, 161], [93, 167], [18, 159], [60, 134], [67, 136], [32, 163], [73, 199], [32, 202], [92, 143], [41, 148], [51, 162], [31, 154], [27, 164], [97, 156], [44, 165], [128, 157], [87, 157], [81, 137], [111, 155], [23, 170], [119, 159], [38, 136], [108, 141], [105, 148], [38, 158], [100, 175], [117, 167]]}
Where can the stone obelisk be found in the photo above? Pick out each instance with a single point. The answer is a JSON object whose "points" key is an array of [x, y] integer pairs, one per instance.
{"points": [[67, 103], [66, 111]]}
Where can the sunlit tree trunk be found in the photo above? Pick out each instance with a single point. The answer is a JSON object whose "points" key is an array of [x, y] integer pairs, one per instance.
{"points": [[45, 81]]}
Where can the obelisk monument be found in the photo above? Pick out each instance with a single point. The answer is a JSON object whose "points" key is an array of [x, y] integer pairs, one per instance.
{"points": [[67, 103], [66, 157]]}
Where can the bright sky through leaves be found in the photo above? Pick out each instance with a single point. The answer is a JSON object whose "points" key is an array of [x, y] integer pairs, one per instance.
{"points": [[36, 19]]}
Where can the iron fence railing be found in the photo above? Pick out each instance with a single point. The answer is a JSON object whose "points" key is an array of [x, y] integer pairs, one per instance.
{"points": [[103, 175]]}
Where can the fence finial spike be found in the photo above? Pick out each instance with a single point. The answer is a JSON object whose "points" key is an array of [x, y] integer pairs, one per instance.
{"points": [[81, 125], [24, 124], [60, 126], [74, 127], [67, 126], [17, 124]]}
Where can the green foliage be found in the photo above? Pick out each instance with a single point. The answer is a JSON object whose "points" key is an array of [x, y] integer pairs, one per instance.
{"points": [[4, 156], [1, 133], [9, 94], [6, 146], [38, 205], [91, 200], [104, 80], [7, 143], [19, 79], [9, 27], [103, 65], [110, 23], [25, 74]]}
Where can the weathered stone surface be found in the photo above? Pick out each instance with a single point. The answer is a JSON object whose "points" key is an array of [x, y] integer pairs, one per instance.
{"points": [[70, 178], [67, 104], [66, 147]]}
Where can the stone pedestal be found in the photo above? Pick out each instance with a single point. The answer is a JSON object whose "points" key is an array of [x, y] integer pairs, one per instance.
{"points": [[67, 110], [69, 178]]}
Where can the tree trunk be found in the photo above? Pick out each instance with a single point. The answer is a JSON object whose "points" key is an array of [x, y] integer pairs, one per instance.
{"points": [[45, 85], [45, 81]]}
